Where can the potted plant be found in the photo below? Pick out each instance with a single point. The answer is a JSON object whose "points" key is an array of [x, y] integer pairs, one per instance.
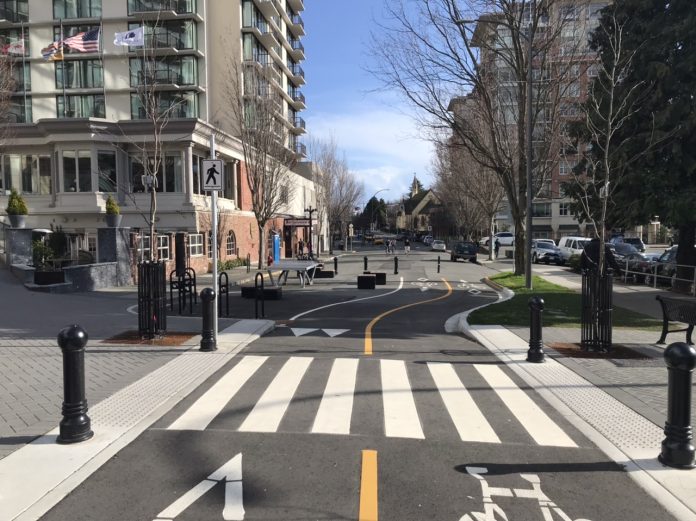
{"points": [[45, 265], [16, 210], [113, 213]]}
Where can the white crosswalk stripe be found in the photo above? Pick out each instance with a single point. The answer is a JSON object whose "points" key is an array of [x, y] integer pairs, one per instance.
{"points": [[335, 411], [269, 410]]}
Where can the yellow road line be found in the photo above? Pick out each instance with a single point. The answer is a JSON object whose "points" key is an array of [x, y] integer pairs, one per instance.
{"points": [[368, 486], [368, 329]]}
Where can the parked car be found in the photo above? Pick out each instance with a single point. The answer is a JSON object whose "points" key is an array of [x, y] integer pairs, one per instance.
{"points": [[636, 242], [621, 249], [464, 250], [549, 241], [504, 239], [664, 268], [438, 246], [637, 264], [571, 246], [427, 239], [547, 253], [378, 240]]}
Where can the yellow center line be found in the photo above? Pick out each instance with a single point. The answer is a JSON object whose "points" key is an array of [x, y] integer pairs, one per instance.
{"points": [[368, 487], [368, 329]]}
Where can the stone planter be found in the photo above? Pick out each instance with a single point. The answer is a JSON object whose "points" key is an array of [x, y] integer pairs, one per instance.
{"points": [[18, 221], [113, 220], [43, 278]]}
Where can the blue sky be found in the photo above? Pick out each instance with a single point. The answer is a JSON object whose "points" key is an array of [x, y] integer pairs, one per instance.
{"points": [[374, 130]]}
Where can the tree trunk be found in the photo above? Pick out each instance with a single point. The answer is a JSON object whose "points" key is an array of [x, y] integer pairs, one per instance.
{"points": [[153, 212], [262, 245]]}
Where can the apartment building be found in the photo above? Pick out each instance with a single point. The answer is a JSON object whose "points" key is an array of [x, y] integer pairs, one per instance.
{"points": [[80, 127], [570, 23]]}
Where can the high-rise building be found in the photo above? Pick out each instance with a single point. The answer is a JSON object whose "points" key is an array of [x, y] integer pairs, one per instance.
{"points": [[80, 124]]}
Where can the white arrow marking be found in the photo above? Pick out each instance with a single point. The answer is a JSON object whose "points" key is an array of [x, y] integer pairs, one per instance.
{"points": [[474, 292], [425, 288], [335, 332], [422, 279], [299, 331], [231, 472]]}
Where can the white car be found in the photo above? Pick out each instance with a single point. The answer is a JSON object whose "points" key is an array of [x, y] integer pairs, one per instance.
{"points": [[504, 239], [438, 246]]}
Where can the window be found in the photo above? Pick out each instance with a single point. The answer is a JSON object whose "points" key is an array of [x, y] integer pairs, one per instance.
{"points": [[210, 245], [541, 210], [145, 245], [179, 6], [106, 170], [175, 34], [27, 174], [179, 104], [81, 106], [593, 11], [196, 245], [92, 246], [76, 9], [231, 243], [195, 174], [569, 13], [564, 209], [170, 70], [14, 40], [66, 31], [21, 74], [14, 11], [77, 171], [19, 110], [79, 74], [163, 247], [565, 168]]}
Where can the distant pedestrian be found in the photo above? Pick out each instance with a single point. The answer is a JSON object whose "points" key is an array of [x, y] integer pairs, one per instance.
{"points": [[300, 248], [407, 246], [496, 248]]}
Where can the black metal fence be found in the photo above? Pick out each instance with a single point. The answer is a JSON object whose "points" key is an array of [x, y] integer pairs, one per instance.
{"points": [[152, 299], [597, 310]]}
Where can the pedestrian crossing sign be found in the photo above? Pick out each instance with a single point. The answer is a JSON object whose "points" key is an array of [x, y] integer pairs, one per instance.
{"points": [[212, 174]]}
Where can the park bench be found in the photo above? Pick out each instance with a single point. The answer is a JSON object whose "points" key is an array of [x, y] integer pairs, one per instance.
{"points": [[677, 309]]}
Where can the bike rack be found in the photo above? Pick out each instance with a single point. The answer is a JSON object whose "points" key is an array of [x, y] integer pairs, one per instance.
{"points": [[259, 294], [224, 289]]}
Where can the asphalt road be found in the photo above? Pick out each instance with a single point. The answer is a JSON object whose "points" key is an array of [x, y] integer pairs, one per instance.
{"points": [[364, 408]]}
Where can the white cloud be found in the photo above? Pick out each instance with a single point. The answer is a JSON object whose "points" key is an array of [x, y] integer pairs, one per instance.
{"points": [[381, 146]]}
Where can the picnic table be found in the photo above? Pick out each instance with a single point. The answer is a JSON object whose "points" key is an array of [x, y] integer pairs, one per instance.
{"points": [[305, 271]]}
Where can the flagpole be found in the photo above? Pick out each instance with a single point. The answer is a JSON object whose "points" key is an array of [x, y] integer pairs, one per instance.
{"points": [[24, 72], [101, 58], [62, 65]]}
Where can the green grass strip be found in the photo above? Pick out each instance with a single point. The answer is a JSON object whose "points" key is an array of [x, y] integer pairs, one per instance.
{"points": [[562, 307]]}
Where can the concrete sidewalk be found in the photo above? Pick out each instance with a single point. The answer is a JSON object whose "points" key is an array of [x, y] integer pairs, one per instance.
{"points": [[620, 404]]}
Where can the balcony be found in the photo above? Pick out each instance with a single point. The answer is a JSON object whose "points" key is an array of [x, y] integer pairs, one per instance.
{"points": [[299, 148], [297, 49], [296, 25], [299, 126], [267, 7], [296, 5], [297, 75], [298, 99], [161, 7], [12, 16]]}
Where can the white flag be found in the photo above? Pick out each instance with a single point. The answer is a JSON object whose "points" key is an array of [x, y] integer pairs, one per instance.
{"points": [[134, 37]]}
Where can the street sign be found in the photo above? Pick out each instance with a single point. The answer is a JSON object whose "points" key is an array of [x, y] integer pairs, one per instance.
{"points": [[296, 222], [212, 175], [350, 230]]}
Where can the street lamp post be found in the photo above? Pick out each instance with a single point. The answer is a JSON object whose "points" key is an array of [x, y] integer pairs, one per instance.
{"points": [[310, 211], [528, 137]]}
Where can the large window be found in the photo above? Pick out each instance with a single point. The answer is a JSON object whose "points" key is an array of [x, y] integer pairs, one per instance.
{"points": [[66, 31], [14, 10], [89, 106], [76, 9], [169, 70], [179, 6], [20, 109], [79, 74], [564, 209], [169, 176], [14, 39], [77, 171], [27, 174], [231, 243], [177, 34], [180, 104], [541, 210], [106, 170], [163, 247], [196, 245]]}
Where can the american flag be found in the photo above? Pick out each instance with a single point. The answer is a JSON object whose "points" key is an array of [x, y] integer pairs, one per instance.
{"points": [[84, 42]]}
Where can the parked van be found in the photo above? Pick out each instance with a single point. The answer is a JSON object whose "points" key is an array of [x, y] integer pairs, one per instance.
{"points": [[571, 246]]}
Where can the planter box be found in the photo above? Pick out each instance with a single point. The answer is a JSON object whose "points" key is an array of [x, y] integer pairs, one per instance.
{"points": [[44, 278], [113, 220]]}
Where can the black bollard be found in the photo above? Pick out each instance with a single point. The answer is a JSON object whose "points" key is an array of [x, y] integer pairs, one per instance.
{"points": [[396, 265], [207, 307], [438, 264], [677, 447], [535, 353], [336, 265], [365, 262], [259, 293], [75, 425]]}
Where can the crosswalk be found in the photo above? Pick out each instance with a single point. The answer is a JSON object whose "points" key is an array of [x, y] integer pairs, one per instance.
{"points": [[261, 391]]}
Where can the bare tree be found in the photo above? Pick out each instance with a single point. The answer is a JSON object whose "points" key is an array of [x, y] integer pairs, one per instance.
{"points": [[338, 192], [255, 108], [434, 51], [8, 84], [609, 106]]}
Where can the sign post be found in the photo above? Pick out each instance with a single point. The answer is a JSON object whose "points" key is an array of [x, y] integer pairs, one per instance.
{"points": [[212, 182]]}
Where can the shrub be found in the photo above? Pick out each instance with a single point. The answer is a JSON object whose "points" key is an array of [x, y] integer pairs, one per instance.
{"points": [[112, 207], [574, 263], [231, 264], [16, 204], [42, 256]]}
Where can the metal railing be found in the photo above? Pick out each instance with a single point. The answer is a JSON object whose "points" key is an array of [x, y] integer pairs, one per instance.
{"points": [[656, 274]]}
